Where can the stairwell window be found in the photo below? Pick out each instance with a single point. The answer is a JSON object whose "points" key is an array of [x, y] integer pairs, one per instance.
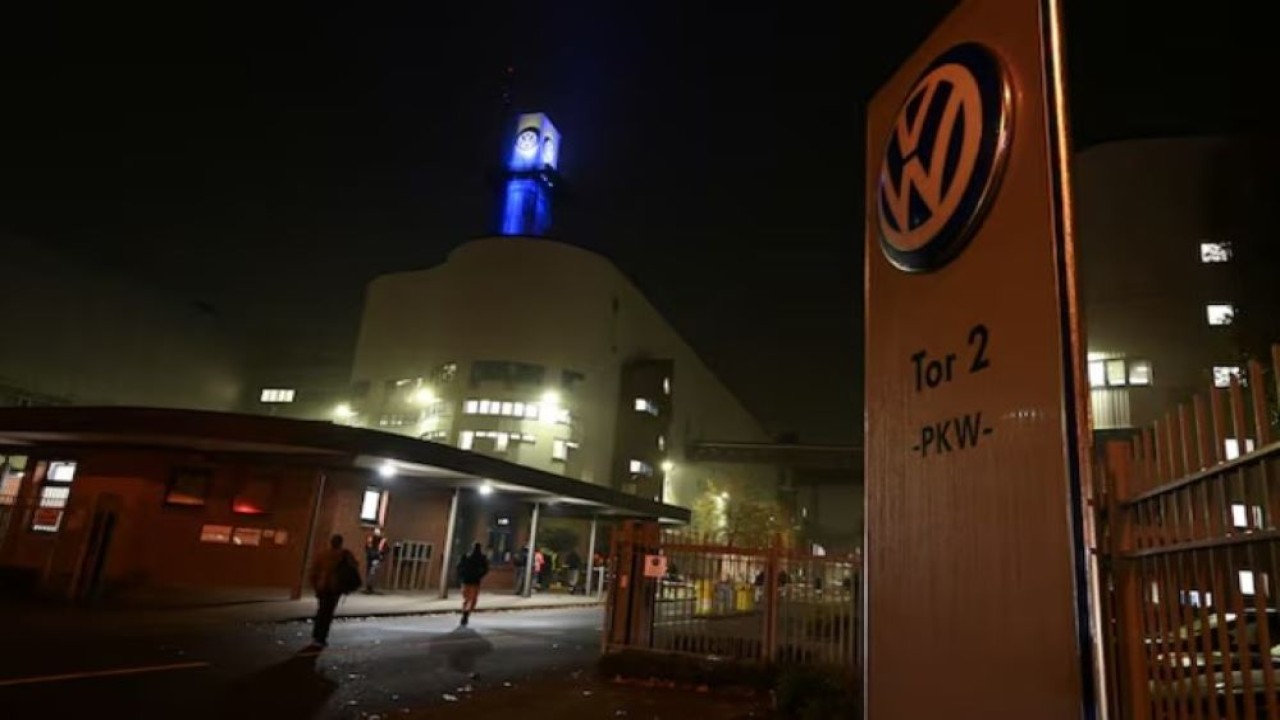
{"points": [[1222, 375], [645, 405]]}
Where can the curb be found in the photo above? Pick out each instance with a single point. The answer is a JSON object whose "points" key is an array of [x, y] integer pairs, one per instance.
{"points": [[425, 613]]}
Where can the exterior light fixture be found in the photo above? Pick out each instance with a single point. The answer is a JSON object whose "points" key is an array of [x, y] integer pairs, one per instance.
{"points": [[668, 466], [343, 412], [387, 469], [424, 396], [486, 489]]}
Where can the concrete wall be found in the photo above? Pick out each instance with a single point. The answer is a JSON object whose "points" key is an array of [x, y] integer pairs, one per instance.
{"points": [[74, 334]]}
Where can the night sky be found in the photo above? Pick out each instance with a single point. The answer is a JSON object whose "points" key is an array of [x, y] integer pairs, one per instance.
{"points": [[270, 164]]}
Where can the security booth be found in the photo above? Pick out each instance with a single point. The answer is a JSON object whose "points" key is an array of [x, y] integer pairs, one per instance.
{"points": [[179, 506]]}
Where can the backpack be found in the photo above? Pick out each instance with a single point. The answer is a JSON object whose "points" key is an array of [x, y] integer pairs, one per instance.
{"points": [[347, 575]]}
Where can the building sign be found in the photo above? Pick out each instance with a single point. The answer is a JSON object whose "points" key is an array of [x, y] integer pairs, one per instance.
{"points": [[973, 413], [655, 566]]}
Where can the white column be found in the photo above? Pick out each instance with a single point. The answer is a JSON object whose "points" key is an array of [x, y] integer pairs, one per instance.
{"points": [[533, 550], [591, 556], [447, 553]]}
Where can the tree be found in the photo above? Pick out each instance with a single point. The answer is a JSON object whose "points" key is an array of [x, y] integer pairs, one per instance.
{"points": [[755, 523]]}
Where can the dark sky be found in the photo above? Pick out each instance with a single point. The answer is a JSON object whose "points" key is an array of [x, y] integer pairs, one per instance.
{"points": [[270, 163]]}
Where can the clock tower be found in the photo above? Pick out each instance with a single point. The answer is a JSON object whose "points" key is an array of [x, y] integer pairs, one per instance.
{"points": [[530, 176]]}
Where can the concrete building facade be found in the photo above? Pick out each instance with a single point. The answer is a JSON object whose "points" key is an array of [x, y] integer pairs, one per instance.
{"points": [[545, 354], [1178, 259]]}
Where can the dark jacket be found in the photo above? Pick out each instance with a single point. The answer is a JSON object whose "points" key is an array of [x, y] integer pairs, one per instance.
{"points": [[473, 568]]}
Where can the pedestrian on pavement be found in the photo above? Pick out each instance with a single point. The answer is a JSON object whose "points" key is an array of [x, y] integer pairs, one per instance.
{"points": [[334, 573], [376, 549], [471, 570], [573, 562], [522, 564], [539, 563]]}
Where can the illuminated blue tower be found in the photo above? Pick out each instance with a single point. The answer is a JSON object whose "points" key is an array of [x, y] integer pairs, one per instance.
{"points": [[530, 177]]}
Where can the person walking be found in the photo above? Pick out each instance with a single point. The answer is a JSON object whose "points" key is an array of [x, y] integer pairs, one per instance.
{"points": [[539, 564], [376, 548], [522, 562], [471, 570], [573, 563], [334, 573]]}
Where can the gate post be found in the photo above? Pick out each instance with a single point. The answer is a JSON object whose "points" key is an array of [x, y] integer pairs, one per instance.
{"points": [[1135, 703], [630, 599]]}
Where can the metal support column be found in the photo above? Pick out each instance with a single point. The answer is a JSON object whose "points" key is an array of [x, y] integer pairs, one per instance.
{"points": [[533, 550], [591, 556], [309, 550], [446, 555]]}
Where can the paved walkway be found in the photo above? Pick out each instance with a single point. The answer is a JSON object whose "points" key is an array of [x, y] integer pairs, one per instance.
{"points": [[357, 605]]}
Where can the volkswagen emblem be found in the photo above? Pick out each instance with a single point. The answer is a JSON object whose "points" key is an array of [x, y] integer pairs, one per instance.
{"points": [[944, 158]]}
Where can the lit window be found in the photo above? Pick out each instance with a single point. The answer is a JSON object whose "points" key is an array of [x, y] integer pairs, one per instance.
{"points": [[1222, 375], [371, 506], [640, 467], [1139, 372], [472, 407], [246, 536], [662, 443], [1097, 373], [61, 472], [55, 492], [1215, 252], [466, 439], [559, 450], [1246, 582], [276, 395], [531, 411], [500, 442], [508, 409], [646, 405], [666, 386], [1115, 373], [1232, 447], [1220, 313], [517, 409]]}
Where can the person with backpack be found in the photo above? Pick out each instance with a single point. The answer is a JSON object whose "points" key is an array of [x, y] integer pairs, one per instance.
{"points": [[471, 570], [334, 573]]}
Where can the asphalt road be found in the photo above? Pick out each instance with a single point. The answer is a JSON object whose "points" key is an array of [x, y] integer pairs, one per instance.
{"points": [[373, 667]]}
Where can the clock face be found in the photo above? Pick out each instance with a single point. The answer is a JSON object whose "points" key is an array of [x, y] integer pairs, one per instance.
{"points": [[527, 142]]}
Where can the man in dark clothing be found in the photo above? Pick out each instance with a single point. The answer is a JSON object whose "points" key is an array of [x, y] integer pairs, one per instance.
{"points": [[471, 570], [327, 580], [522, 564], [573, 562]]}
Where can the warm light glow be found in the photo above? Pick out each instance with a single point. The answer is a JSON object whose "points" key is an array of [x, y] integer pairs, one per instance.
{"points": [[387, 469], [343, 411], [486, 489], [551, 397], [424, 396], [668, 466]]}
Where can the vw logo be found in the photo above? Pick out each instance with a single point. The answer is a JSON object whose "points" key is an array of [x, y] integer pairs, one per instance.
{"points": [[944, 158]]}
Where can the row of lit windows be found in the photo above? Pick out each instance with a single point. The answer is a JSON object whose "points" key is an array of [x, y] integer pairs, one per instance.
{"points": [[1119, 372], [277, 395], [501, 440], [548, 412]]}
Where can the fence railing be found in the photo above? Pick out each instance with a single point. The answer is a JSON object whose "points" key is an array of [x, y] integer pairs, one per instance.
{"points": [[1188, 533], [756, 604]]}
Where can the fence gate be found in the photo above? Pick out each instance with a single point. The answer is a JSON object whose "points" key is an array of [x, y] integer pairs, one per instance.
{"points": [[1188, 537], [676, 592]]}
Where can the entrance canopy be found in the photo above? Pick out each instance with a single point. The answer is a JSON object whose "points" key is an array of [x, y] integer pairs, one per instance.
{"points": [[37, 431]]}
